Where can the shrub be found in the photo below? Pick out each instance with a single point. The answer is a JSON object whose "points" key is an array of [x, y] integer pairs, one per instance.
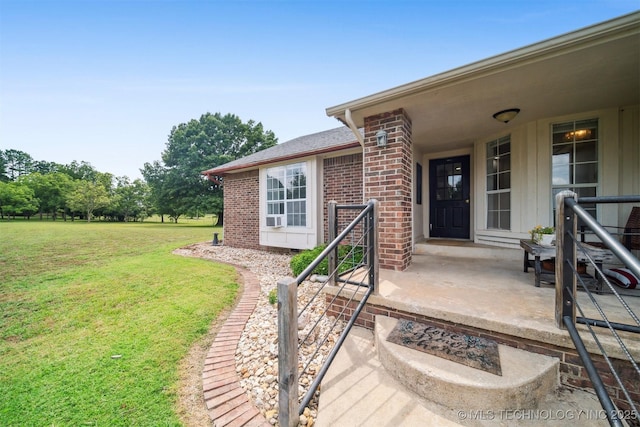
{"points": [[302, 260]]}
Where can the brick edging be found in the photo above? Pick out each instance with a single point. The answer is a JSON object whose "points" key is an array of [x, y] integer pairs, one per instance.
{"points": [[226, 400]]}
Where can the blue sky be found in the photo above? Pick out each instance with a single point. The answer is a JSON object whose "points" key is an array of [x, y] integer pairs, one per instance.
{"points": [[105, 81]]}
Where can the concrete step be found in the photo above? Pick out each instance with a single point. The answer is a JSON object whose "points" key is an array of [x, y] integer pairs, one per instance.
{"points": [[358, 391], [463, 249], [526, 379]]}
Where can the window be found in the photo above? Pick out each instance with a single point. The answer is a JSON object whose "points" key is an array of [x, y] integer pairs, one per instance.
{"points": [[287, 195], [575, 160], [499, 184]]}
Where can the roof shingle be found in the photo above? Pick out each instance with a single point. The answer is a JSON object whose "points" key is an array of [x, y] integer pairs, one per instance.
{"points": [[325, 141]]}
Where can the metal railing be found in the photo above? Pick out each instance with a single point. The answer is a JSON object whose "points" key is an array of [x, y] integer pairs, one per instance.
{"points": [[352, 268], [569, 212]]}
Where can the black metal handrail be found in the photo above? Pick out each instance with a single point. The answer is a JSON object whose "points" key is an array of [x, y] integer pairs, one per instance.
{"points": [[594, 376], [334, 244], [362, 274], [567, 278]]}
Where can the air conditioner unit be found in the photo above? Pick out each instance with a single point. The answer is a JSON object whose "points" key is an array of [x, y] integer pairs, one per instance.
{"points": [[274, 221]]}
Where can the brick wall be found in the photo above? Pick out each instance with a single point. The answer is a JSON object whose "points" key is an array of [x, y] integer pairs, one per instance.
{"points": [[572, 373], [388, 178], [241, 210], [342, 183]]}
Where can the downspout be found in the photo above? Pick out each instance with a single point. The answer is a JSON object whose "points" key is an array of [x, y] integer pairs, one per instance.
{"points": [[360, 138], [353, 127]]}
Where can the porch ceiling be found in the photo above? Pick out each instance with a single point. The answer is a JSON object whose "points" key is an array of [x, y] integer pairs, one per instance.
{"points": [[594, 68]]}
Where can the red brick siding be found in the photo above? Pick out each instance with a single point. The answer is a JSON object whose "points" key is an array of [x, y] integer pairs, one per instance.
{"points": [[241, 210], [572, 373], [343, 184], [388, 178]]}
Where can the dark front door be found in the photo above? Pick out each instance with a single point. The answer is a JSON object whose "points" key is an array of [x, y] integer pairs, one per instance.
{"points": [[449, 197]]}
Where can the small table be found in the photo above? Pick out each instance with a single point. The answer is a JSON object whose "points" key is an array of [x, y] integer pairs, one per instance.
{"points": [[540, 252]]}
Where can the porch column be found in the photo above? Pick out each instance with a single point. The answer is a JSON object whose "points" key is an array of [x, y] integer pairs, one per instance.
{"points": [[387, 178]]}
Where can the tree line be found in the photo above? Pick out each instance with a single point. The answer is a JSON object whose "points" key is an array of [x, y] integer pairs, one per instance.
{"points": [[77, 190], [173, 186]]}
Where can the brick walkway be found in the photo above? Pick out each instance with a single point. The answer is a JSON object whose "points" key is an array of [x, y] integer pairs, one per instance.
{"points": [[226, 400]]}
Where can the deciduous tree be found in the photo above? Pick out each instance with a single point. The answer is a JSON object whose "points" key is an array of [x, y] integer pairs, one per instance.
{"points": [[80, 170], [193, 147], [87, 196], [128, 201], [50, 190], [16, 199]]}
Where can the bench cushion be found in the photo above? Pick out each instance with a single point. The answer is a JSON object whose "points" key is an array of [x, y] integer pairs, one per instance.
{"points": [[622, 277]]}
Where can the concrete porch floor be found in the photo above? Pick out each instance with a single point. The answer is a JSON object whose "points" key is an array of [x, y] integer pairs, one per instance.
{"points": [[486, 287], [471, 285]]}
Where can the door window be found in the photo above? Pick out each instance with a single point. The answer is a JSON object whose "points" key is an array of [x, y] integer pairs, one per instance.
{"points": [[449, 181]]}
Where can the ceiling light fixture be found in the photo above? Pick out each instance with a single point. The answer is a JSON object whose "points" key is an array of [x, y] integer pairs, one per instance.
{"points": [[505, 116]]}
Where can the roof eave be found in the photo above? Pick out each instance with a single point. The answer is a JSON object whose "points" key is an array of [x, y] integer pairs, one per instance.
{"points": [[220, 171]]}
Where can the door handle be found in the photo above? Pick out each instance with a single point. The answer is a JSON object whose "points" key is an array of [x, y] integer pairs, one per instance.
{"points": [[467, 201]]}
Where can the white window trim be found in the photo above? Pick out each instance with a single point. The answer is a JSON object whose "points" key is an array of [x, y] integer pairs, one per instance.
{"points": [[292, 237]]}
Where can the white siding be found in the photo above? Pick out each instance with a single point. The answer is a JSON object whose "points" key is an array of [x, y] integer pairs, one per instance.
{"points": [[531, 203]]}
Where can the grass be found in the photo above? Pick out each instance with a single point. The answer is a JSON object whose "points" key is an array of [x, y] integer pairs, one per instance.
{"points": [[95, 318]]}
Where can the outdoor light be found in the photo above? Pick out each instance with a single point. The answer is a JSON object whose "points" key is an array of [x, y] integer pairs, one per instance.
{"points": [[505, 116], [381, 138]]}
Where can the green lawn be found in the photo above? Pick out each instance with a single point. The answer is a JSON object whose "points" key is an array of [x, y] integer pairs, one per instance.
{"points": [[94, 319]]}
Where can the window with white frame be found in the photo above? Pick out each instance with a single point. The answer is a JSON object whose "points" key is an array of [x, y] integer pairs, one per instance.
{"points": [[499, 184], [575, 160], [287, 195]]}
